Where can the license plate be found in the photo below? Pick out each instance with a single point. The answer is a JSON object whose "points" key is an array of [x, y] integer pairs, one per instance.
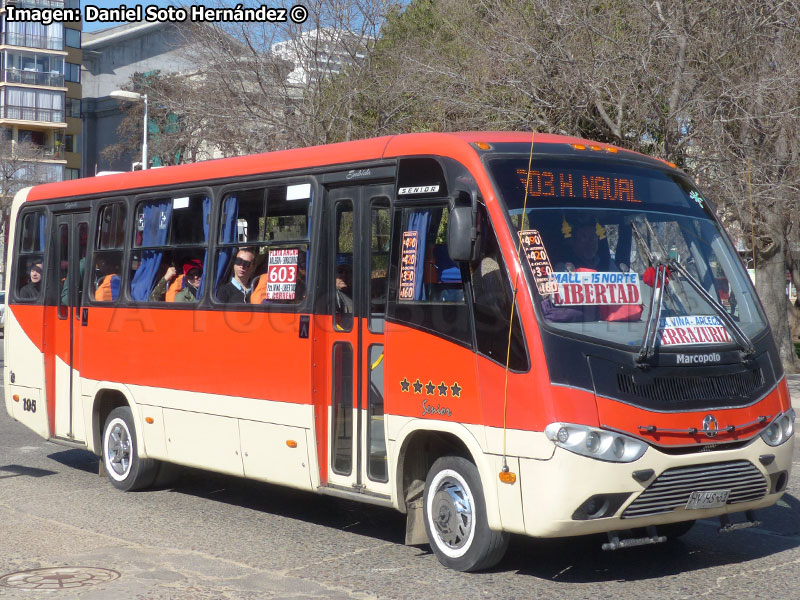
{"points": [[709, 499]]}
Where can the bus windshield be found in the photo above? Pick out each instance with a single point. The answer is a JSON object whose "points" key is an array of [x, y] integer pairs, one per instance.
{"points": [[594, 235]]}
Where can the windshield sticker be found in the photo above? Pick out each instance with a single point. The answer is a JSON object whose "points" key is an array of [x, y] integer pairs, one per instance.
{"points": [[564, 184], [408, 268], [282, 274], [592, 288], [697, 198], [688, 331], [539, 261]]}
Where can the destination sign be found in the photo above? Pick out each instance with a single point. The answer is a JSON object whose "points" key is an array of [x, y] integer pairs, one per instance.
{"points": [[689, 331], [591, 288], [577, 184]]}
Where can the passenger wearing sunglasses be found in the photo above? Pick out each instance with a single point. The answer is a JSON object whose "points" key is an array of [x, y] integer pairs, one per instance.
{"points": [[238, 289], [192, 276]]}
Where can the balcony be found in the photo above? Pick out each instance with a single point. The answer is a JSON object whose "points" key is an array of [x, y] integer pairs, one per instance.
{"points": [[29, 113], [53, 153], [53, 79], [28, 40]]}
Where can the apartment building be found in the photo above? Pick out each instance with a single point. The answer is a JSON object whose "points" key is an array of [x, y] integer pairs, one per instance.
{"points": [[40, 95]]}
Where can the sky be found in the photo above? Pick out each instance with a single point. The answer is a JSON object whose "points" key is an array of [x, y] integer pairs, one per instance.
{"points": [[106, 4]]}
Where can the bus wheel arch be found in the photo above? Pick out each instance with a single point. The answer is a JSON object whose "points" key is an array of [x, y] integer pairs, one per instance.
{"points": [[421, 444], [418, 451], [105, 401]]}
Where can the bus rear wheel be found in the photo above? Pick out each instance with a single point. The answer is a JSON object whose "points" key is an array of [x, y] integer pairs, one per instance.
{"points": [[126, 470], [455, 517]]}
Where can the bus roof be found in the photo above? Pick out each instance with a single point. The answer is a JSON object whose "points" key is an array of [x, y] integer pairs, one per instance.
{"points": [[455, 145]]}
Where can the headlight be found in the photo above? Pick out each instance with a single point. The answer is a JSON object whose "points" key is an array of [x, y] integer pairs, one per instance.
{"points": [[595, 443], [780, 430]]}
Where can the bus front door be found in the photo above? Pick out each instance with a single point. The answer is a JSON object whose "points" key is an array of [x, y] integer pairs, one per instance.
{"points": [[62, 353], [350, 422]]}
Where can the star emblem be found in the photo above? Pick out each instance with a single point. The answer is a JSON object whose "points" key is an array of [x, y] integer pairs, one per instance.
{"points": [[430, 388], [456, 389], [417, 387], [442, 389], [405, 384]]}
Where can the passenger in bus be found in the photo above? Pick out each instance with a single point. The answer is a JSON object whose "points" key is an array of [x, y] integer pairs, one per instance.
{"points": [[65, 283], [344, 288], [159, 293], [239, 288], [582, 254], [583, 248], [193, 275], [106, 278], [32, 289]]}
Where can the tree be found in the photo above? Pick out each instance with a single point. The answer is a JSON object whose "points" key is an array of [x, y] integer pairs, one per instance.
{"points": [[267, 86], [712, 87], [172, 137]]}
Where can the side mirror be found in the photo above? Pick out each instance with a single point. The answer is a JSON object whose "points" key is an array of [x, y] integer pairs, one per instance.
{"points": [[462, 231]]}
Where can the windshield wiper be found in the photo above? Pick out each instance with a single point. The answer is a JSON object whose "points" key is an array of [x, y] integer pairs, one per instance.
{"points": [[648, 346], [740, 336], [654, 314]]}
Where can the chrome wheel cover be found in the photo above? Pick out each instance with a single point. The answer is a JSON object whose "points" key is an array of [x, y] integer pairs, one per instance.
{"points": [[118, 449], [451, 513]]}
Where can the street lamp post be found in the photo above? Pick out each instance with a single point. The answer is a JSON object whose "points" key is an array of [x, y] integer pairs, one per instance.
{"points": [[135, 97]]}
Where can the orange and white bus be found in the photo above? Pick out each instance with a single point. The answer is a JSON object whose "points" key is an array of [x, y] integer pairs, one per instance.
{"points": [[494, 333]]}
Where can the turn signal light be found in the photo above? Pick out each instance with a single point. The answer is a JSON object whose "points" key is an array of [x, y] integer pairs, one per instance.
{"points": [[508, 477], [579, 146], [291, 443], [15, 397], [149, 420], [483, 145]]}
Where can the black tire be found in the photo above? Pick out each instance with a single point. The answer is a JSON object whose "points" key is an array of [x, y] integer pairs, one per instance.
{"points": [[675, 530], [120, 453], [455, 517]]}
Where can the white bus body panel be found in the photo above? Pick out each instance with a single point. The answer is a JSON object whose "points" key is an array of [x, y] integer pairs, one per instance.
{"points": [[552, 490]]}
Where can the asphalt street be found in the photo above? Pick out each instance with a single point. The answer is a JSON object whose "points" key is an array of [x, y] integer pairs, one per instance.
{"points": [[205, 536]]}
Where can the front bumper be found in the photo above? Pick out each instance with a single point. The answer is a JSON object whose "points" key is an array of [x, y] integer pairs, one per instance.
{"points": [[555, 491]]}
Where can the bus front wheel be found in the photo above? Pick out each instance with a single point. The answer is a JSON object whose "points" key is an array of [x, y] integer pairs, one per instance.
{"points": [[126, 470], [455, 517]]}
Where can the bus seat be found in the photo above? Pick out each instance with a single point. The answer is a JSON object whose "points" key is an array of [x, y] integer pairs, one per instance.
{"points": [[173, 289], [259, 292], [108, 290], [446, 270], [447, 287]]}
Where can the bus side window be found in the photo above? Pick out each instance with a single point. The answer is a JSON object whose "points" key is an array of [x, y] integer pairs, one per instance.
{"points": [[428, 288], [107, 255], [343, 268], [271, 225], [426, 272], [29, 279], [492, 301], [170, 239]]}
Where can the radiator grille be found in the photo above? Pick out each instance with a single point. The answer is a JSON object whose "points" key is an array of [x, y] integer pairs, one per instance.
{"points": [[675, 389], [672, 488]]}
